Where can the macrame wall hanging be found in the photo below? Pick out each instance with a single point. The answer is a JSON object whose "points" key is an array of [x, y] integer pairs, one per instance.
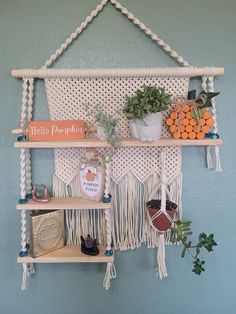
{"points": [[135, 173]]}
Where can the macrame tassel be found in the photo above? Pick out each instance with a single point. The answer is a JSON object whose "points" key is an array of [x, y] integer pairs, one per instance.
{"points": [[110, 274], [24, 277], [30, 269], [161, 257], [209, 158], [217, 156]]}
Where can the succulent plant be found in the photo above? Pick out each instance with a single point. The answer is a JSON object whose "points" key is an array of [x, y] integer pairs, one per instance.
{"points": [[149, 99]]}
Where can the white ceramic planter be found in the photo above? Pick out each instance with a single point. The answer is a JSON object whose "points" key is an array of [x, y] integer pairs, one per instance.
{"points": [[147, 129]]}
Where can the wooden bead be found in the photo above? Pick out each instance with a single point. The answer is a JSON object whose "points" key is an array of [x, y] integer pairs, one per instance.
{"points": [[176, 135], [184, 135], [189, 115], [186, 108], [192, 135], [192, 122], [205, 129], [169, 122], [206, 115], [201, 122], [209, 122], [185, 122], [173, 128], [189, 128], [200, 136], [182, 129], [173, 115], [196, 128]]}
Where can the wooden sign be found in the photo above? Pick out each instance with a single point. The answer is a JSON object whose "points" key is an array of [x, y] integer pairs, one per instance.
{"points": [[56, 130], [92, 182]]}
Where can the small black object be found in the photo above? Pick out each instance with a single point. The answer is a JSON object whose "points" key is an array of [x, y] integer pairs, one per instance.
{"points": [[89, 246], [157, 204], [192, 94]]}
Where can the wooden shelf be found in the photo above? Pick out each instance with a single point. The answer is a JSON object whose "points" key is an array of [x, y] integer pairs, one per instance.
{"points": [[68, 254], [63, 203], [125, 143]]}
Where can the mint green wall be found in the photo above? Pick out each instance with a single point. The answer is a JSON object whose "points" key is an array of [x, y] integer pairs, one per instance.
{"points": [[203, 32]]}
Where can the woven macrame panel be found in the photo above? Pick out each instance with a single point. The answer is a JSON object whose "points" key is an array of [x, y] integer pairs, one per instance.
{"points": [[135, 171], [66, 99]]}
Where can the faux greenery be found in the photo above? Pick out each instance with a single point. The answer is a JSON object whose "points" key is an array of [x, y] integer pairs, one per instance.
{"points": [[203, 101], [180, 233], [148, 100], [108, 123]]}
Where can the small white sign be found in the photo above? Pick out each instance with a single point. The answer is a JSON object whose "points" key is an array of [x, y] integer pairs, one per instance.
{"points": [[91, 181]]}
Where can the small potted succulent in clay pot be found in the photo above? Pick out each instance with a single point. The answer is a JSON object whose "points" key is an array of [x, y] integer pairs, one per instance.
{"points": [[159, 219], [144, 111]]}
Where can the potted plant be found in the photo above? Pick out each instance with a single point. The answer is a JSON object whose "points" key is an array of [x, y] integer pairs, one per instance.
{"points": [[144, 111], [107, 125]]}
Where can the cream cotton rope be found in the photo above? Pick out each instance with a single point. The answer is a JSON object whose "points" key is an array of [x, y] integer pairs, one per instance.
{"points": [[134, 173]]}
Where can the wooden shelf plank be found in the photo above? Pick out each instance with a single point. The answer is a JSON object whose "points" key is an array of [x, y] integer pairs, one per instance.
{"points": [[63, 203], [68, 254], [125, 143]]}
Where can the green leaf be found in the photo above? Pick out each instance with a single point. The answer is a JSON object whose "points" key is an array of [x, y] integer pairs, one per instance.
{"points": [[183, 252]]}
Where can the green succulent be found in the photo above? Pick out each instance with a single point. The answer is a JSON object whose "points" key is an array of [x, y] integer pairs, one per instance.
{"points": [[180, 233], [150, 99]]}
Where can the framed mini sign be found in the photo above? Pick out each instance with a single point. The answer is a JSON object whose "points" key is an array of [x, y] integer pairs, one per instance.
{"points": [[56, 130]]}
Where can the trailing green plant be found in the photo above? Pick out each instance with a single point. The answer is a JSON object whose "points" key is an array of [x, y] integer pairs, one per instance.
{"points": [[107, 122], [150, 99], [180, 233]]}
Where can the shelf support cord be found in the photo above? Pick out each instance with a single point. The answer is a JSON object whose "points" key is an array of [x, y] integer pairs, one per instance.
{"points": [[215, 126], [161, 264], [110, 270], [131, 17], [208, 85], [208, 148], [25, 172]]}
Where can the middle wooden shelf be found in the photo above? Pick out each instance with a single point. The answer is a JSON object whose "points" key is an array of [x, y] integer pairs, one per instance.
{"points": [[64, 203], [93, 142]]}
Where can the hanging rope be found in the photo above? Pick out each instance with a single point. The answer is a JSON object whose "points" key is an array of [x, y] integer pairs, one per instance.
{"points": [[150, 34], [74, 35], [131, 17], [29, 118]]}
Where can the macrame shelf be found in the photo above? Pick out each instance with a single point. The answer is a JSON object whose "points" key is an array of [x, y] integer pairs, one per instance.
{"points": [[138, 172], [125, 143]]}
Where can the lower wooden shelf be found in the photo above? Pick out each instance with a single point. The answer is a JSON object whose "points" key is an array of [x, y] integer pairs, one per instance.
{"points": [[68, 254]]}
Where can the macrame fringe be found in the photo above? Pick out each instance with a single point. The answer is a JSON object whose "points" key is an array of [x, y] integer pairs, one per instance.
{"points": [[110, 274], [131, 222], [209, 158], [80, 222], [210, 164], [217, 156], [28, 270], [161, 270], [24, 277]]}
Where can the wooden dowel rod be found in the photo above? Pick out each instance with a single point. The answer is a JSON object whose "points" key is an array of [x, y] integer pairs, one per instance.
{"points": [[119, 72]]}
